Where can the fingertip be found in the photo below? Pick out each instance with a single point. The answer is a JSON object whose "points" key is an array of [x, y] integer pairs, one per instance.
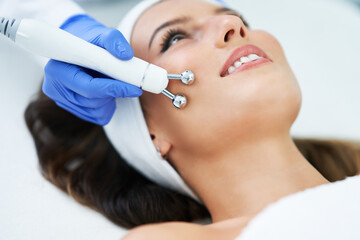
{"points": [[131, 91], [121, 90], [135, 92], [128, 53], [124, 50], [121, 47]]}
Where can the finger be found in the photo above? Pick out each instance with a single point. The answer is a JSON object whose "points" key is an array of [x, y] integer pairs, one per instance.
{"points": [[95, 74], [100, 116], [61, 71], [58, 94], [77, 80], [64, 74], [87, 102], [104, 87], [114, 42]]}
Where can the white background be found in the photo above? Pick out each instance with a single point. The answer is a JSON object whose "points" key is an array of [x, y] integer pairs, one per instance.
{"points": [[321, 39]]}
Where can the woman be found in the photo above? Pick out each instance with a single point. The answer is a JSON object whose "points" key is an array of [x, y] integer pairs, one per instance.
{"points": [[231, 144]]}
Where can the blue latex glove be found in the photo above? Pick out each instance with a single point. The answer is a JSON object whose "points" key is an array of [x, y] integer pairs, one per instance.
{"points": [[85, 93]]}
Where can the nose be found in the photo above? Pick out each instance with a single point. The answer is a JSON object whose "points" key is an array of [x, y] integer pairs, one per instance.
{"points": [[223, 29]]}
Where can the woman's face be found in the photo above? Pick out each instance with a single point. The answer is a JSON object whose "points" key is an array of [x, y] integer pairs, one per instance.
{"points": [[223, 109]]}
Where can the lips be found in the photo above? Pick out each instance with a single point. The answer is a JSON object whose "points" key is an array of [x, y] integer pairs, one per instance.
{"points": [[244, 51]]}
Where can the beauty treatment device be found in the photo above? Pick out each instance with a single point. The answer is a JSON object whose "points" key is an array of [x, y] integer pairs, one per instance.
{"points": [[48, 41]]}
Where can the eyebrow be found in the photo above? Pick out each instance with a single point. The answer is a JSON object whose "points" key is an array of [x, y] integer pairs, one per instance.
{"points": [[168, 24], [182, 20]]}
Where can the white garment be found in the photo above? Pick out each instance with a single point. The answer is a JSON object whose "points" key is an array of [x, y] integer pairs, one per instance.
{"points": [[54, 12], [329, 211]]}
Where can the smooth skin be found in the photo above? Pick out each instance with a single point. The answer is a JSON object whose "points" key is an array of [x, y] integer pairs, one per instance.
{"points": [[232, 143]]}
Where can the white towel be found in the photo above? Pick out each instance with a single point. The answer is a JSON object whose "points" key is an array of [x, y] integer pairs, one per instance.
{"points": [[326, 212]]}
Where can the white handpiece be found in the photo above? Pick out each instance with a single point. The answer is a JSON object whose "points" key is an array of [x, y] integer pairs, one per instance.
{"points": [[48, 41]]}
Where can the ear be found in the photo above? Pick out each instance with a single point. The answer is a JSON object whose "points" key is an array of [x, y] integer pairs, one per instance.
{"points": [[161, 143]]}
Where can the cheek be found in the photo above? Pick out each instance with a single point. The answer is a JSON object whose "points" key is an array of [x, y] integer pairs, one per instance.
{"points": [[220, 110], [281, 86], [184, 56], [270, 45], [221, 115]]}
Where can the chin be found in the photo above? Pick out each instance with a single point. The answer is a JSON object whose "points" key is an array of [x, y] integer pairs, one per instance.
{"points": [[274, 104], [285, 106]]}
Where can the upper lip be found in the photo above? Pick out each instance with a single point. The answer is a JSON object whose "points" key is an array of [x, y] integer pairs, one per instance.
{"points": [[241, 52]]}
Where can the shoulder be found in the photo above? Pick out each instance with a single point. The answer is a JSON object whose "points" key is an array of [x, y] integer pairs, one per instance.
{"points": [[165, 231]]}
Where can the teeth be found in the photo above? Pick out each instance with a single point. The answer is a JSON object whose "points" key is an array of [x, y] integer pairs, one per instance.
{"points": [[231, 69], [237, 64], [253, 57], [245, 59]]}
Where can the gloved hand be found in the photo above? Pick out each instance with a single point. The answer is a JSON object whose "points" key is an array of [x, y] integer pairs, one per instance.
{"points": [[85, 93]]}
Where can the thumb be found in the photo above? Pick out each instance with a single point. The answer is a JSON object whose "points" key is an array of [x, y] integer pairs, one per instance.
{"points": [[114, 42]]}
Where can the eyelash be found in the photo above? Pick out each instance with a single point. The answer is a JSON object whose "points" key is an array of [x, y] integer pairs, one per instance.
{"points": [[171, 33], [170, 36]]}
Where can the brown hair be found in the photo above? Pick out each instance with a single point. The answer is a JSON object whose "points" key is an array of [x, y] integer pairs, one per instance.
{"points": [[77, 157]]}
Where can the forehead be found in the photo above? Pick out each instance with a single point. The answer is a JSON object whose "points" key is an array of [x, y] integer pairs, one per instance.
{"points": [[165, 11]]}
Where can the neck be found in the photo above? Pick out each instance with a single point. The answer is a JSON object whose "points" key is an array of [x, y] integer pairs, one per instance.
{"points": [[242, 181]]}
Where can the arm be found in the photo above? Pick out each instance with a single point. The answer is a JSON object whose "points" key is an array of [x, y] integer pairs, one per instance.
{"points": [[54, 12], [86, 94]]}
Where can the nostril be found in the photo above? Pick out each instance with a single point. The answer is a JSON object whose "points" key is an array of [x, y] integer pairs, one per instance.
{"points": [[242, 32], [228, 35]]}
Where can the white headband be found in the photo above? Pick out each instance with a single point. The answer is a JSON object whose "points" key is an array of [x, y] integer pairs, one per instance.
{"points": [[128, 132]]}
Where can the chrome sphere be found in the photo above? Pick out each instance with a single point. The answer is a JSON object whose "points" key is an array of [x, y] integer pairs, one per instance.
{"points": [[179, 101], [187, 77]]}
